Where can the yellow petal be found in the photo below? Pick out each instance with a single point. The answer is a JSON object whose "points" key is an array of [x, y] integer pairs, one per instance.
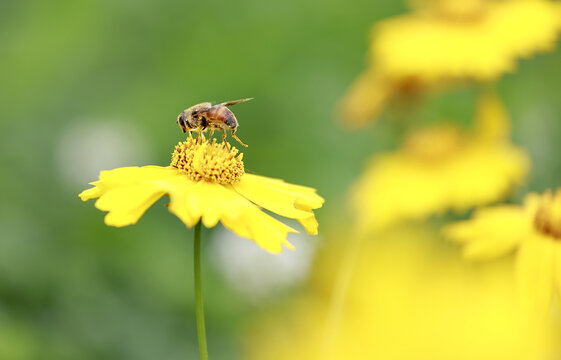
{"points": [[211, 203], [247, 220], [216, 202], [310, 224], [126, 204], [305, 194], [254, 224], [534, 273], [134, 175], [292, 201], [126, 193], [183, 200], [92, 193], [264, 194], [192, 201]]}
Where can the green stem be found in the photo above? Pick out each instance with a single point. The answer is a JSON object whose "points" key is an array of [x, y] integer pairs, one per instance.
{"points": [[200, 312]]}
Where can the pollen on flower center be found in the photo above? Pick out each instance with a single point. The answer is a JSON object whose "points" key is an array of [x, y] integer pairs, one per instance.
{"points": [[548, 216], [435, 143], [208, 161]]}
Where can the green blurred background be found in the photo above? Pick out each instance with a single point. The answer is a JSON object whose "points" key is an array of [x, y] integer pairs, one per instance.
{"points": [[92, 85]]}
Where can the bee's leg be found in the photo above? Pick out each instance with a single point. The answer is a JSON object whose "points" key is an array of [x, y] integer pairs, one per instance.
{"points": [[201, 137], [211, 133], [224, 139], [238, 139]]}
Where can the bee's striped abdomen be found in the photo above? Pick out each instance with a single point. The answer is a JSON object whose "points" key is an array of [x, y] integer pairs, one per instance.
{"points": [[223, 114]]}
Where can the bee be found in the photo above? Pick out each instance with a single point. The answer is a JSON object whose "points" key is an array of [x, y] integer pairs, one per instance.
{"points": [[205, 116]]}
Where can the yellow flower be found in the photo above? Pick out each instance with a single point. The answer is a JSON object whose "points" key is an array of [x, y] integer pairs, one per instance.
{"points": [[439, 169], [206, 181], [450, 41], [444, 42], [371, 92], [534, 229], [409, 298]]}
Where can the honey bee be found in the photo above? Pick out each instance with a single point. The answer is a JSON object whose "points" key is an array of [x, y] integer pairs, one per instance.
{"points": [[205, 116]]}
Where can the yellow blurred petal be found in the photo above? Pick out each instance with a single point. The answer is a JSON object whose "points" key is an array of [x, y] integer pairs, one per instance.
{"points": [[400, 185], [491, 121], [434, 48], [492, 232], [535, 273], [531, 203], [365, 99], [557, 267], [489, 248], [127, 204], [408, 299]]}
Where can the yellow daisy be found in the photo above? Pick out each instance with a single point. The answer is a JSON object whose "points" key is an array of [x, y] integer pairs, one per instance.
{"points": [[451, 39], [408, 298], [371, 92], [207, 182], [534, 229], [447, 41], [438, 169]]}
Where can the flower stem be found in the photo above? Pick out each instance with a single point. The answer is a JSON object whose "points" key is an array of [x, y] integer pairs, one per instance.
{"points": [[339, 297], [200, 313]]}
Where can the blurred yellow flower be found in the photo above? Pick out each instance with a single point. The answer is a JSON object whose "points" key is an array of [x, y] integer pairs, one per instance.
{"points": [[453, 39], [206, 181], [409, 298], [439, 169], [371, 92], [534, 229], [447, 41]]}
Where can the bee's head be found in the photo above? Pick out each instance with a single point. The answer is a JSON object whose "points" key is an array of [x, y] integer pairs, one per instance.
{"points": [[182, 122], [190, 118]]}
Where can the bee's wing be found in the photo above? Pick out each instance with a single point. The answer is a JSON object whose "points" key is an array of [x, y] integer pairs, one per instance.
{"points": [[234, 102]]}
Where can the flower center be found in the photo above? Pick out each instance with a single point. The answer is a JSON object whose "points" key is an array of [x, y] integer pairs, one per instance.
{"points": [[548, 216], [434, 143], [208, 161]]}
